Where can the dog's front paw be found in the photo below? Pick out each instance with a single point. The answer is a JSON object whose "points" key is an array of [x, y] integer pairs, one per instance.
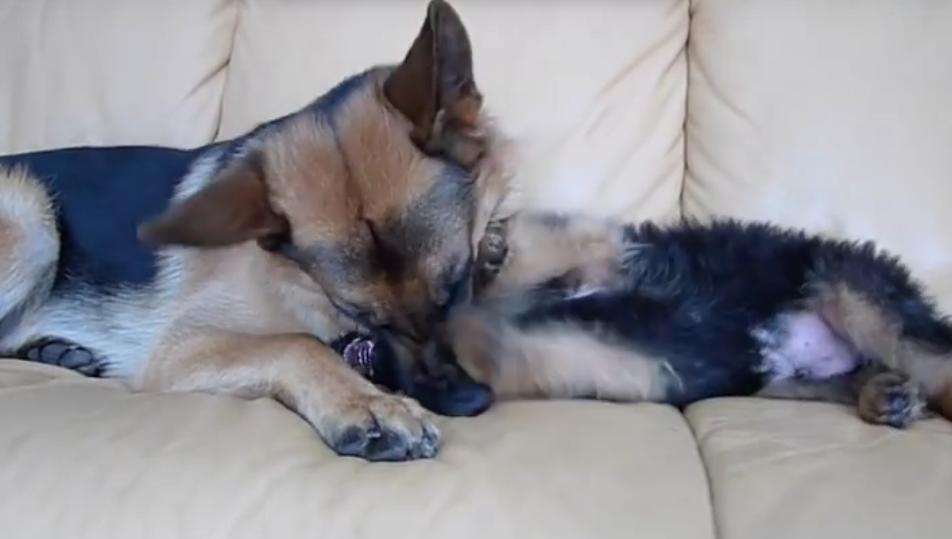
{"points": [[891, 398], [381, 427], [493, 250]]}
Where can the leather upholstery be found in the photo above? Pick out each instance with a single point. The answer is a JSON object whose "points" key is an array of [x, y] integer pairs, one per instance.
{"points": [[112, 72], [595, 99], [827, 115]]}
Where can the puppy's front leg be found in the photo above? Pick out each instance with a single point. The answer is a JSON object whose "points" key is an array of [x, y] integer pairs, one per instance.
{"points": [[350, 414], [579, 254]]}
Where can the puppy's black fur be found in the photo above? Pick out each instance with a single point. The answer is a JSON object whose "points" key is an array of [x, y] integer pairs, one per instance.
{"points": [[725, 308], [696, 294]]}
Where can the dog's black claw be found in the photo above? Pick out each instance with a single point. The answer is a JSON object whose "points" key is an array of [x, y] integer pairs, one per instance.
{"points": [[897, 400], [389, 446], [353, 441], [428, 446], [384, 445]]}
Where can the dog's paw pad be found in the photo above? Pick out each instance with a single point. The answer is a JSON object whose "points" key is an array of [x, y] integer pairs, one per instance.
{"points": [[386, 428], [891, 398], [493, 248], [492, 253], [63, 354]]}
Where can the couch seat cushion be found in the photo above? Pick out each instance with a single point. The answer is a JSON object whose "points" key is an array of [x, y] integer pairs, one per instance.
{"points": [[87, 458], [801, 470]]}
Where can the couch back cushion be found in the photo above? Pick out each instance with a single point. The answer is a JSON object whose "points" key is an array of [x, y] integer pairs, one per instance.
{"points": [[828, 114], [78, 72], [592, 92]]}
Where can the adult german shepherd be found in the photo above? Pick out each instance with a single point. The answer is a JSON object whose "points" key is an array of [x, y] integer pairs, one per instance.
{"points": [[359, 212]]}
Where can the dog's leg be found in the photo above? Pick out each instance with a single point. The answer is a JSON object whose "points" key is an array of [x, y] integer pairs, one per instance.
{"points": [[491, 254], [838, 389], [29, 250], [872, 304], [532, 249], [350, 414], [881, 396], [889, 397]]}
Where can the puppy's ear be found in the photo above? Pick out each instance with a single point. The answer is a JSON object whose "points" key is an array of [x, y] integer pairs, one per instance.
{"points": [[434, 87], [234, 208]]}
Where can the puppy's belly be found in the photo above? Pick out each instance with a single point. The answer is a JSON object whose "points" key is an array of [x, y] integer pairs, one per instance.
{"points": [[802, 345]]}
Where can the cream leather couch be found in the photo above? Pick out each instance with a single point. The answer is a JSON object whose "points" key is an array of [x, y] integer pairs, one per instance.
{"points": [[834, 115]]}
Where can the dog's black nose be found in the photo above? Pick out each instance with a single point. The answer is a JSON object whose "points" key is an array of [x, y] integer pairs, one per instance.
{"points": [[458, 399], [444, 387]]}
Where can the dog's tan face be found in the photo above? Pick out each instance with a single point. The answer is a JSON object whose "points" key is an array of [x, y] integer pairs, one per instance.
{"points": [[371, 190], [382, 227]]}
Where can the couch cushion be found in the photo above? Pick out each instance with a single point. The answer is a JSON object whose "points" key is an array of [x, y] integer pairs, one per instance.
{"points": [[827, 114], [111, 72], [592, 91], [789, 470], [87, 458]]}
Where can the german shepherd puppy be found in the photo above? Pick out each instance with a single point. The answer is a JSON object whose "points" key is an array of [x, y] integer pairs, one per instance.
{"points": [[577, 307], [359, 212]]}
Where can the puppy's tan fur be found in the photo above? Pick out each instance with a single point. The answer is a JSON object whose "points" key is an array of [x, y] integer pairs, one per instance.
{"points": [[558, 360], [877, 334]]}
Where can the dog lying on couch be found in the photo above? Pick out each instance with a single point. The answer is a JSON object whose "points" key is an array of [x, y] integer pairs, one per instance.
{"points": [[359, 212]]}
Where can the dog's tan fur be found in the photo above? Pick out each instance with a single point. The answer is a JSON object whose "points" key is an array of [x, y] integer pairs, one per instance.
{"points": [[228, 313]]}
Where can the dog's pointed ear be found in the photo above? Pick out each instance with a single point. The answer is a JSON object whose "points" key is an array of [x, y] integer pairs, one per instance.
{"points": [[233, 208], [435, 89]]}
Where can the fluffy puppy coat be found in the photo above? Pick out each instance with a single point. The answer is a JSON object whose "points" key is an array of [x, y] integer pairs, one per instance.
{"points": [[578, 307]]}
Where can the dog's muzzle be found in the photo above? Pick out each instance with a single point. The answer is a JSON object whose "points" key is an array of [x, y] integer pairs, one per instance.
{"points": [[430, 376]]}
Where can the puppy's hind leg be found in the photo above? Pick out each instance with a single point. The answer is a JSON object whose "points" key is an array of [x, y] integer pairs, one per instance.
{"points": [[882, 397], [840, 389], [869, 300], [29, 249]]}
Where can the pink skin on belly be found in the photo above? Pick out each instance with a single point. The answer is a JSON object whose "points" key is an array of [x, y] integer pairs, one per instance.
{"points": [[802, 345]]}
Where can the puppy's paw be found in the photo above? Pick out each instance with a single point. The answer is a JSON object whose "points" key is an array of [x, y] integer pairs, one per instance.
{"points": [[493, 251], [381, 427], [891, 398]]}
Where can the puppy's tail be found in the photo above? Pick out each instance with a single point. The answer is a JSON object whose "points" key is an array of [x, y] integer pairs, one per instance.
{"points": [[29, 247]]}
